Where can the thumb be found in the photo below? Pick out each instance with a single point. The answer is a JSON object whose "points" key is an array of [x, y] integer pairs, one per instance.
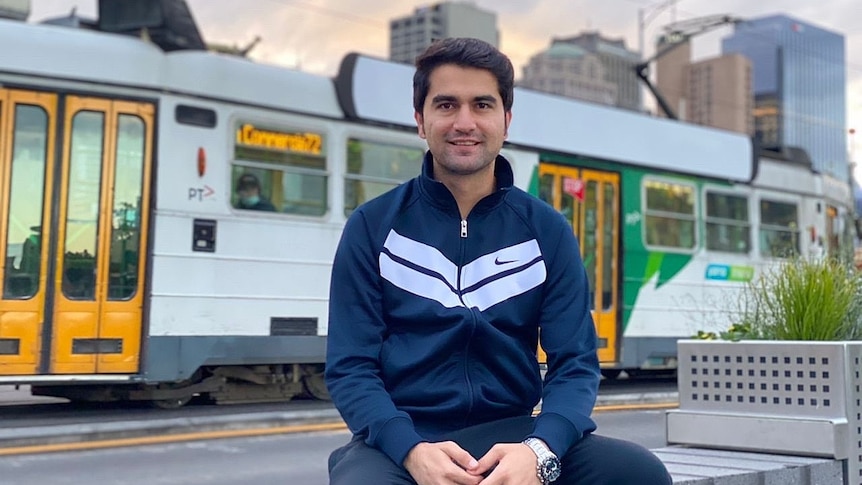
{"points": [[461, 457], [490, 460]]}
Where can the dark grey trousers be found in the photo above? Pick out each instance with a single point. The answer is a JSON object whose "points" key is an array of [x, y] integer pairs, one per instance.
{"points": [[594, 460]]}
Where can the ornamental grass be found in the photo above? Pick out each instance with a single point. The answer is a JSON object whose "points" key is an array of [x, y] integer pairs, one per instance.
{"points": [[800, 299]]}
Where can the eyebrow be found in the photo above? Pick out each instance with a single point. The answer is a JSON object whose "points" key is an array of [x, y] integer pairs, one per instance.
{"points": [[447, 98]]}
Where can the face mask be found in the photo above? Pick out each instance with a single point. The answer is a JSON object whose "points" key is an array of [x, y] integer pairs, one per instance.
{"points": [[250, 200]]}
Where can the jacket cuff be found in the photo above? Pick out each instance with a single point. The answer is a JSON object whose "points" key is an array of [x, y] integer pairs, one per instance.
{"points": [[557, 432], [396, 439]]}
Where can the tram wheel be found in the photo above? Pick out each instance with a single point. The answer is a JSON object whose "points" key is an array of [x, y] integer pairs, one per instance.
{"points": [[314, 384], [172, 403], [611, 374], [173, 395]]}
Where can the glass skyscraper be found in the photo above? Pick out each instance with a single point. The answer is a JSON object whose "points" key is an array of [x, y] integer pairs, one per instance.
{"points": [[799, 87]]}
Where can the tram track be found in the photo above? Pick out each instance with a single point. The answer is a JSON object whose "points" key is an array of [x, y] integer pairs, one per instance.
{"points": [[37, 425]]}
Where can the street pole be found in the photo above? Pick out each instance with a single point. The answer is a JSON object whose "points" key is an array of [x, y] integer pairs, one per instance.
{"points": [[647, 15]]}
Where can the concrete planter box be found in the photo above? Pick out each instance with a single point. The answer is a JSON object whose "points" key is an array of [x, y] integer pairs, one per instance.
{"points": [[786, 397]]}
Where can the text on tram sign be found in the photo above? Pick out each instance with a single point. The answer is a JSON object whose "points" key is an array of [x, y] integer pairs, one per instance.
{"points": [[249, 135]]}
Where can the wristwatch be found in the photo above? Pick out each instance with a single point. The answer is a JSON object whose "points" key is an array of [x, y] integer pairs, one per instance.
{"points": [[548, 467]]}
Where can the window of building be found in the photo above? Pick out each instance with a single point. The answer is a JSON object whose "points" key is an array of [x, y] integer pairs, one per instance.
{"points": [[728, 227], [374, 168], [779, 229], [278, 169], [669, 215]]}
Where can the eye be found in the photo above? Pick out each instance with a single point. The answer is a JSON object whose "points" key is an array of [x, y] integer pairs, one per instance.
{"points": [[445, 106]]}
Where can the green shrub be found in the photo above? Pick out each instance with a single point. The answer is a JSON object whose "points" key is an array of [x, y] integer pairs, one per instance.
{"points": [[802, 299]]}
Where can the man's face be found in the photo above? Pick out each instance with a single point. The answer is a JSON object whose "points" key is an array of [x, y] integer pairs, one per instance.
{"points": [[247, 192], [463, 119]]}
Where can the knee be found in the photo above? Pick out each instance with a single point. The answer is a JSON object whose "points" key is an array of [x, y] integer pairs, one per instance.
{"points": [[645, 469]]}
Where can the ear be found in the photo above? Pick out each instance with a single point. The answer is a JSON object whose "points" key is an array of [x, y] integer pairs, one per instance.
{"points": [[420, 123], [508, 122]]}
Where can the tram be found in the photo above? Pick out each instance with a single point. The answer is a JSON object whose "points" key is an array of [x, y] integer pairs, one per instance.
{"points": [[168, 215]]}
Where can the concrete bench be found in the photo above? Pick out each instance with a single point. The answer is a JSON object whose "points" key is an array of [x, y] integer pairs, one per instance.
{"points": [[700, 466]]}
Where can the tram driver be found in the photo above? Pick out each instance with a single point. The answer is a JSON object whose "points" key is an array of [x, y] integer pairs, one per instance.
{"points": [[249, 196]]}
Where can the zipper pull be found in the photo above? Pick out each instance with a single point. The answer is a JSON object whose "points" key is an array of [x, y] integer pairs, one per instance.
{"points": [[464, 228]]}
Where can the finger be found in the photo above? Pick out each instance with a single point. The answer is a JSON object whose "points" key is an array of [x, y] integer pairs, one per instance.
{"points": [[460, 456], [489, 460]]}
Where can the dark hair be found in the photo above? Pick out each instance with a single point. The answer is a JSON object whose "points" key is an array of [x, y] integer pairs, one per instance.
{"points": [[247, 181], [463, 52]]}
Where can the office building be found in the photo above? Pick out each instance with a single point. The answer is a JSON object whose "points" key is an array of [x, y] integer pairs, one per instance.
{"points": [[410, 35], [618, 63], [568, 70], [671, 76], [799, 87], [712, 92], [720, 93]]}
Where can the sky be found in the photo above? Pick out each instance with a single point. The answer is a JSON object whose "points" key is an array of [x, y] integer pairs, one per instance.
{"points": [[314, 35]]}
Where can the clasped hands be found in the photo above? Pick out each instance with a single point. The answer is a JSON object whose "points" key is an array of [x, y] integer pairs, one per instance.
{"points": [[446, 463]]}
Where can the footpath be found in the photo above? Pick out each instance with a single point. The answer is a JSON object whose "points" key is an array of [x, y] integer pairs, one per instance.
{"points": [[688, 465]]}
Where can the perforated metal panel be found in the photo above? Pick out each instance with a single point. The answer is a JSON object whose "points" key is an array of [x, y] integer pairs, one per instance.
{"points": [[814, 382], [761, 378], [854, 386]]}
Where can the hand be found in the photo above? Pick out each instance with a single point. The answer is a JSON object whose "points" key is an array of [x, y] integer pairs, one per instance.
{"points": [[443, 463], [511, 464]]}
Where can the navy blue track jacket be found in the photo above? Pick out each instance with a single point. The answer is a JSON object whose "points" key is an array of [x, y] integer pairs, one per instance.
{"points": [[434, 321]]}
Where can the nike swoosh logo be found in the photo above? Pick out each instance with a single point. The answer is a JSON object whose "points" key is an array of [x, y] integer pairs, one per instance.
{"points": [[497, 261]]}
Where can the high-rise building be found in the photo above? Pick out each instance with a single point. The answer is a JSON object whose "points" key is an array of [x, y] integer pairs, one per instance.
{"points": [[618, 62], [720, 95], [671, 76], [568, 70], [799, 87], [410, 35], [713, 92]]}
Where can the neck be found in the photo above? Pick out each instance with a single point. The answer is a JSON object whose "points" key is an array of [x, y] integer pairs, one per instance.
{"points": [[468, 190]]}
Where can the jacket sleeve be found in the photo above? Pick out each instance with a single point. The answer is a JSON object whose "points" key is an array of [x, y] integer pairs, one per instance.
{"points": [[355, 337], [568, 336]]}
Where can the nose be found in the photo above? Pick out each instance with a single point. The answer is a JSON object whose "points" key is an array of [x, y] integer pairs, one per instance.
{"points": [[464, 119]]}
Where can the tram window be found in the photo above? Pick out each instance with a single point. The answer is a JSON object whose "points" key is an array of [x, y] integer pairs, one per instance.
{"points": [[126, 220], [24, 237], [669, 217], [279, 170], [82, 214], [727, 224], [608, 239], [192, 115], [779, 229], [834, 228], [373, 168], [590, 238]]}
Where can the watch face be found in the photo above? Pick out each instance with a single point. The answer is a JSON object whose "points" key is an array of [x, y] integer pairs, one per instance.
{"points": [[551, 470]]}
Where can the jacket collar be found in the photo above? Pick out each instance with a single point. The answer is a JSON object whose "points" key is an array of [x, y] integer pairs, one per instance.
{"points": [[439, 195]]}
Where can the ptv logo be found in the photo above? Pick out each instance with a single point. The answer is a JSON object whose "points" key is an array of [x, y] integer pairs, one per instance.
{"points": [[200, 193]]}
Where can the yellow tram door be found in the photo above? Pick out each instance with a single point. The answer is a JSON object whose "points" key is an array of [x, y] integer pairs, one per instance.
{"points": [[102, 224], [589, 199], [27, 137]]}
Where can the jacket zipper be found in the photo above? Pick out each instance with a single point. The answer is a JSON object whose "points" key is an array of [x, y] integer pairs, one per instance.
{"points": [[469, 383]]}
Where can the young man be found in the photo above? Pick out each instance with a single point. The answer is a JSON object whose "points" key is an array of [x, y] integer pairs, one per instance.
{"points": [[439, 290]]}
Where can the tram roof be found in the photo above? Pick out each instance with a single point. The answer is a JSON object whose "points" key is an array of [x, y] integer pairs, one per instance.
{"points": [[98, 58], [381, 91]]}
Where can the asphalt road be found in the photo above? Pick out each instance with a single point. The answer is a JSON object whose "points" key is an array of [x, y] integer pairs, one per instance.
{"points": [[289, 458], [28, 421]]}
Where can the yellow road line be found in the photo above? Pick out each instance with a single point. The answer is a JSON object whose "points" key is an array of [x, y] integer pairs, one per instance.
{"points": [[171, 438], [239, 433], [636, 407]]}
